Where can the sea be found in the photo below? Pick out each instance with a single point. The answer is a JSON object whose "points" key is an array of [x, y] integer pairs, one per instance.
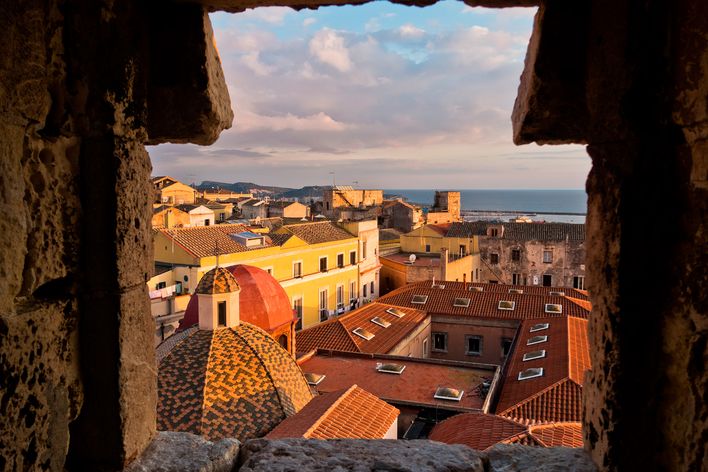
{"points": [[565, 206]]}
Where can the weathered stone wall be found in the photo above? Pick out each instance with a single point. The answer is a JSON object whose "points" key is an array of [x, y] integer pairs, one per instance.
{"points": [[568, 261], [77, 372], [630, 79]]}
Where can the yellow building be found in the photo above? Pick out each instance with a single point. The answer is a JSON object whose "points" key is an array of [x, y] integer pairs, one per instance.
{"points": [[316, 263], [171, 191]]}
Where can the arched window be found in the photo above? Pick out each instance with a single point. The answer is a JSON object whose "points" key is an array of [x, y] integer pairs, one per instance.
{"points": [[283, 341]]}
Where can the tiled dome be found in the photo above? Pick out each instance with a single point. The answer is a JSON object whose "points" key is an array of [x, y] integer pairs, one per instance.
{"points": [[217, 280], [234, 382], [262, 301]]}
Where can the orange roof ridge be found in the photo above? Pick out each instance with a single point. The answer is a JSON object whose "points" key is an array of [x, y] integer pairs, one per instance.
{"points": [[326, 413], [581, 303]]}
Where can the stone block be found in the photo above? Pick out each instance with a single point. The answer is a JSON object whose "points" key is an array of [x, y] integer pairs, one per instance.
{"points": [[357, 455], [188, 101], [184, 452], [516, 458]]}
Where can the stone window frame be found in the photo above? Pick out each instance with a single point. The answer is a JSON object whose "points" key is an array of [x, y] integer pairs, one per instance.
{"points": [[444, 335], [479, 338]]}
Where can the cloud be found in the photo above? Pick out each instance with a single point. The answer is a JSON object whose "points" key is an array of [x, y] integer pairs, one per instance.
{"points": [[308, 21], [410, 31], [272, 15], [327, 46], [402, 102]]}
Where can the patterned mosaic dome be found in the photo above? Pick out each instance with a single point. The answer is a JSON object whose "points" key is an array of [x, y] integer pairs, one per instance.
{"points": [[262, 301], [217, 280], [232, 382]]}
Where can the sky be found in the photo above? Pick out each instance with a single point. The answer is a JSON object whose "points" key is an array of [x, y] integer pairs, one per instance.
{"points": [[376, 96]]}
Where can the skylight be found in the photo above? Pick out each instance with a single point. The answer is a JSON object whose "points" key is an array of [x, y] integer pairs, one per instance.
{"points": [[531, 373], [529, 356], [506, 305], [515, 290], [476, 289], [419, 299], [441, 286], [556, 294], [461, 302], [396, 312], [377, 320], [314, 379], [447, 393], [539, 327], [391, 368], [362, 333], [537, 340], [554, 308]]}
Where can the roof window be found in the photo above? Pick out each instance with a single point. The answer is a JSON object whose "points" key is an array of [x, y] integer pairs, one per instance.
{"points": [[506, 305], [553, 308], [461, 302], [447, 393], [476, 289], [529, 356], [556, 294], [362, 333], [390, 368], [515, 290], [537, 340], [419, 299], [377, 320], [314, 379], [396, 312], [440, 286], [531, 373], [539, 327]]}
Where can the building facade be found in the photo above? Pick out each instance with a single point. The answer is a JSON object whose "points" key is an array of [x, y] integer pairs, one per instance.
{"points": [[171, 191]]}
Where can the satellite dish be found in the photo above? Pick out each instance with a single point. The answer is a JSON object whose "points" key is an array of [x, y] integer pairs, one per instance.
{"points": [[411, 258]]}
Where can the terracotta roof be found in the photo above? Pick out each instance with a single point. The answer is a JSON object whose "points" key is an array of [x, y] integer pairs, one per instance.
{"points": [[217, 280], [582, 303], [440, 228], [281, 204], [336, 334], [557, 394], [262, 300], [521, 231], [567, 434], [483, 304], [348, 413], [415, 386], [318, 232], [476, 430], [231, 382], [482, 431], [201, 241]]}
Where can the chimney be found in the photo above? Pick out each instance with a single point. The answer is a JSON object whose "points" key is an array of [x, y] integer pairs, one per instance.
{"points": [[443, 263]]}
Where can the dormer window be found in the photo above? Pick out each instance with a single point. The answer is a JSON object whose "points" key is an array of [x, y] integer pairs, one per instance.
{"points": [[507, 305], [377, 320], [396, 312], [537, 340], [362, 333], [461, 302], [539, 327], [553, 308], [531, 373], [529, 356]]}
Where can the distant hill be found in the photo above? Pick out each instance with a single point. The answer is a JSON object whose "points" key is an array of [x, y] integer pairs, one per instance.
{"points": [[275, 192], [243, 187]]}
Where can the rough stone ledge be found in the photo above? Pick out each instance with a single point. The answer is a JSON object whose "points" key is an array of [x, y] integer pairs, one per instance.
{"points": [[187, 452], [173, 452]]}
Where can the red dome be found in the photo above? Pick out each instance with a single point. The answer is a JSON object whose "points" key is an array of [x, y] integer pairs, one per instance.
{"points": [[262, 301]]}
